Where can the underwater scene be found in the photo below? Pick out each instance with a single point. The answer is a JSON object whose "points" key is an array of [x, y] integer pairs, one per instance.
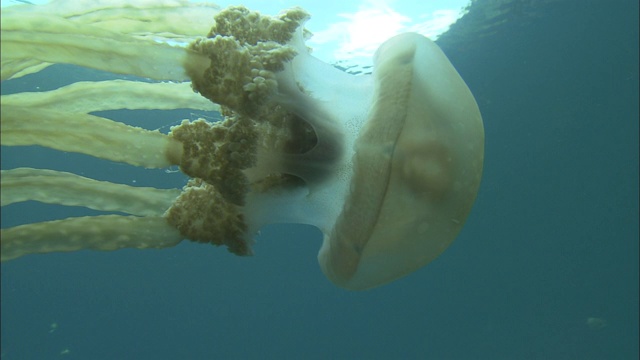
{"points": [[372, 179]]}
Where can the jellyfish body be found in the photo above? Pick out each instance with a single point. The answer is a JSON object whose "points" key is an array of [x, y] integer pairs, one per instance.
{"points": [[405, 166], [386, 165]]}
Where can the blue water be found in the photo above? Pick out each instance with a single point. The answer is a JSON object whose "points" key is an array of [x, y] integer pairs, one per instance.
{"points": [[551, 241]]}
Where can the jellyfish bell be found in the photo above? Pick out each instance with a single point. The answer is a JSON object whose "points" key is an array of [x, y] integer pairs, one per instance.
{"points": [[413, 151], [417, 168], [386, 165]]}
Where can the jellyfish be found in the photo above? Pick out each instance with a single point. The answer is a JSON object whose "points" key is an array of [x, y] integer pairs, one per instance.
{"points": [[387, 165]]}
